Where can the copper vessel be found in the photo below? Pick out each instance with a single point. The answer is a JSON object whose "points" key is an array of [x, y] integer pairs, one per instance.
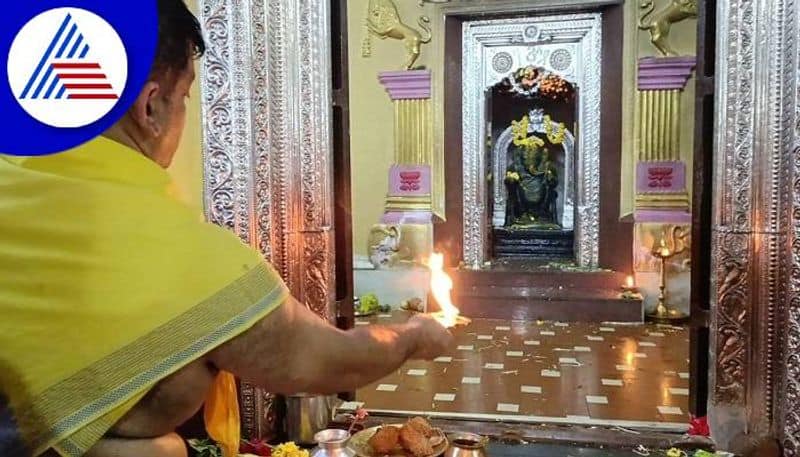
{"points": [[466, 445]]}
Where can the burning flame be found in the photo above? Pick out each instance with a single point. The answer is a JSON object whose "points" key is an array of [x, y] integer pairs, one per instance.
{"points": [[441, 285], [629, 282]]}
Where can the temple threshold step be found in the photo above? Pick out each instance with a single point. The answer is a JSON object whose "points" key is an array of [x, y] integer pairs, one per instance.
{"points": [[537, 293], [526, 243], [555, 308], [538, 277]]}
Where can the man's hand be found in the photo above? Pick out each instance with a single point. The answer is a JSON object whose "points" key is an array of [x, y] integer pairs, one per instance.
{"points": [[432, 339], [293, 350]]}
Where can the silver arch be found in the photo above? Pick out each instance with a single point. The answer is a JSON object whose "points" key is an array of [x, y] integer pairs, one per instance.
{"points": [[581, 32]]}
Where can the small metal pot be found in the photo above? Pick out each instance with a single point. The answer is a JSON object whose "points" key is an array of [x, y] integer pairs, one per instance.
{"points": [[466, 445], [306, 415], [332, 443]]}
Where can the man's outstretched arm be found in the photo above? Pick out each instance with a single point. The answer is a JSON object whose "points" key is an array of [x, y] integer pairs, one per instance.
{"points": [[293, 350]]}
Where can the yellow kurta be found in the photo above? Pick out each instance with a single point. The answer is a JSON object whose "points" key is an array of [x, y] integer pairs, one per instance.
{"points": [[108, 284]]}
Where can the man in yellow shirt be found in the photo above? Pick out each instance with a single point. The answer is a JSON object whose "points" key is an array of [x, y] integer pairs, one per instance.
{"points": [[121, 309]]}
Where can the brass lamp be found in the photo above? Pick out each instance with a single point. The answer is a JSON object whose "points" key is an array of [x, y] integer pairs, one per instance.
{"points": [[664, 314]]}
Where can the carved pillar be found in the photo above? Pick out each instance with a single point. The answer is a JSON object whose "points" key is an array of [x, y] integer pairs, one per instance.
{"points": [[410, 181], [662, 199], [267, 148], [660, 173], [405, 234], [755, 303]]}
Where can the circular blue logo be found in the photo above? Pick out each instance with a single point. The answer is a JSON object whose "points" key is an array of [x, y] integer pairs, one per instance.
{"points": [[72, 70]]}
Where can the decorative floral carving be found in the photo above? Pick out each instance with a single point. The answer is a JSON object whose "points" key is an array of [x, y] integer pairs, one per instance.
{"points": [[731, 318], [267, 147], [502, 62], [410, 181], [560, 59], [757, 204], [659, 177], [318, 272]]}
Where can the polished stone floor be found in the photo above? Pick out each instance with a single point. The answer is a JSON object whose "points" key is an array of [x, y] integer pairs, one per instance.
{"points": [[631, 376]]}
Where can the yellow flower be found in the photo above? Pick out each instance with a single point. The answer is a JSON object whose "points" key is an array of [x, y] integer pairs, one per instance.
{"points": [[555, 138], [289, 449], [674, 452]]}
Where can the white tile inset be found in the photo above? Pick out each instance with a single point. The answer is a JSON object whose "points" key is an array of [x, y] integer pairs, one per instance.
{"points": [[502, 328], [683, 375], [485, 337], [640, 355], [362, 323], [417, 372], [444, 397], [670, 410], [612, 382], [582, 349], [384, 316], [578, 419], [444, 359], [532, 343], [547, 333], [468, 347], [507, 408], [530, 389], [493, 366], [597, 399], [562, 324], [656, 334], [386, 387], [607, 329], [647, 344], [351, 405], [594, 338], [469, 380], [624, 368], [679, 391], [514, 353], [551, 373], [568, 361]]}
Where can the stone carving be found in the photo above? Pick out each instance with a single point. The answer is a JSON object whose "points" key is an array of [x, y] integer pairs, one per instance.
{"points": [[401, 245], [566, 187], [585, 32], [502, 62], [659, 177], [383, 20], [560, 59], [383, 246], [266, 130], [410, 181], [660, 23]]}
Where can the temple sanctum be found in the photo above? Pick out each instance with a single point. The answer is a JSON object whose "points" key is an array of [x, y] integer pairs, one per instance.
{"points": [[612, 185], [600, 199]]}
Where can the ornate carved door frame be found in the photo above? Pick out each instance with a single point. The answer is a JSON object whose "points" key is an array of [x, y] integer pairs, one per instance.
{"points": [[266, 107], [755, 290]]}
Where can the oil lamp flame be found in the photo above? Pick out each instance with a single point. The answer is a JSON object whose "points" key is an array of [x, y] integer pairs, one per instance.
{"points": [[441, 285], [629, 282]]}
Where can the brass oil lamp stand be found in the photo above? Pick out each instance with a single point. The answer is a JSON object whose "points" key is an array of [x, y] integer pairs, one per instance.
{"points": [[663, 314]]}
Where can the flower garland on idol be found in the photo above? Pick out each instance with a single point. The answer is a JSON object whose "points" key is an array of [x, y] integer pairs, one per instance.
{"points": [[537, 82]]}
